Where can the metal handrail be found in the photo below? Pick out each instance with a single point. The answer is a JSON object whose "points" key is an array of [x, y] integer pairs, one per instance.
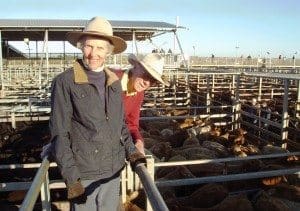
{"points": [[227, 178], [41, 181], [229, 159], [151, 190], [40, 184]]}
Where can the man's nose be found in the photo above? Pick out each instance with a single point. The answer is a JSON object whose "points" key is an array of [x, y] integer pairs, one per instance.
{"points": [[94, 51]]}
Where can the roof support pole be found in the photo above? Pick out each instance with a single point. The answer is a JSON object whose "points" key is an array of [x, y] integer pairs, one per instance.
{"points": [[36, 51], [64, 47], [47, 55], [1, 67], [174, 40], [181, 51], [134, 44], [45, 50]]}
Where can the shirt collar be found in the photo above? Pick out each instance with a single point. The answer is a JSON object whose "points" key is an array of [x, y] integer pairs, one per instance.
{"points": [[124, 84], [99, 69], [80, 75]]}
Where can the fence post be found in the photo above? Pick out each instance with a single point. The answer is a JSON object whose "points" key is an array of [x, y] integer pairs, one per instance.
{"points": [[123, 185], [150, 168], [285, 115], [298, 101], [237, 104], [45, 194], [13, 119]]}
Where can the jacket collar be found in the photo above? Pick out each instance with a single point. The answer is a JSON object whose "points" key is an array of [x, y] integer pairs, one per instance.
{"points": [[125, 83], [124, 80], [81, 77]]}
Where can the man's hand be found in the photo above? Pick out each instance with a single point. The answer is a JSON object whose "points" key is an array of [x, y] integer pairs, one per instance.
{"points": [[139, 144], [135, 159], [76, 193], [47, 150]]}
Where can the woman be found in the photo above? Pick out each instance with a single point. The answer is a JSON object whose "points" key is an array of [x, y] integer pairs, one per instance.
{"points": [[145, 72]]}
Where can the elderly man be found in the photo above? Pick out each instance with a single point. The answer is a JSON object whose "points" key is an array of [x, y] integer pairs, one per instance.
{"points": [[88, 133]]}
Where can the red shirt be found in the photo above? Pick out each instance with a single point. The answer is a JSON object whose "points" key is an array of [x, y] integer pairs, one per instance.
{"points": [[132, 106]]}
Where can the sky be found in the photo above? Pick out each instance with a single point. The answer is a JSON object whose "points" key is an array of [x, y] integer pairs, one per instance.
{"points": [[219, 27]]}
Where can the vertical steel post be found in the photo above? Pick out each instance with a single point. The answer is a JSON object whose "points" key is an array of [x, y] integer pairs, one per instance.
{"points": [[208, 96], [47, 56], [45, 194], [1, 67], [285, 115], [259, 89], [298, 101], [237, 104]]}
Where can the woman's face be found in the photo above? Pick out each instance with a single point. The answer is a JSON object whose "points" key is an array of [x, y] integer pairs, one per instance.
{"points": [[141, 79]]}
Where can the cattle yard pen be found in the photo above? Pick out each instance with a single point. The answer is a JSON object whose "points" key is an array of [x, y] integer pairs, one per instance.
{"points": [[131, 182], [223, 96], [257, 95]]}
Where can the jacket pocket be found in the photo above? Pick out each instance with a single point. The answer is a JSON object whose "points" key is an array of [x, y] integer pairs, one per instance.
{"points": [[80, 101], [84, 154], [115, 94], [80, 92]]}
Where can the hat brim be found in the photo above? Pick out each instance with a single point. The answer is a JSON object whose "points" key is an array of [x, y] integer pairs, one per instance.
{"points": [[153, 73], [119, 44], [133, 59]]}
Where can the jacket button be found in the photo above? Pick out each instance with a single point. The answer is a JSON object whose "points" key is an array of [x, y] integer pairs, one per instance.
{"points": [[107, 118], [96, 151]]}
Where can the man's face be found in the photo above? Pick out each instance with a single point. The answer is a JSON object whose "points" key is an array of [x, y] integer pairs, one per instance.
{"points": [[95, 51], [142, 80]]}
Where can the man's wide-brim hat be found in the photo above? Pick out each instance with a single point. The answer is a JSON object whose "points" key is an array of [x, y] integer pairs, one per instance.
{"points": [[101, 28], [153, 63]]}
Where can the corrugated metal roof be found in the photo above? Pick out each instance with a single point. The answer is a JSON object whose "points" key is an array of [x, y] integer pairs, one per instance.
{"points": [[40, 23], [17, 29], [45, 23]]}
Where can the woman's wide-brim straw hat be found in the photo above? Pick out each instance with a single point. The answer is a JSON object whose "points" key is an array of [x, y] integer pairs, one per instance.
{"points": [[153, 63], [99, 27]]}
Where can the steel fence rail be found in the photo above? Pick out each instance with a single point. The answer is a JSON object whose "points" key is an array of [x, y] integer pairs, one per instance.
{"points": [[227, 178], [41, 181], [151, 190], [229, 159], [40, 184]]}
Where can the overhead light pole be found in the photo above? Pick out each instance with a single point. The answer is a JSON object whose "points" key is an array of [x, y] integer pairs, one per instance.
{"points": [[194, 50], [26, 41], [236, 53], [294, 59], [270, 62]]}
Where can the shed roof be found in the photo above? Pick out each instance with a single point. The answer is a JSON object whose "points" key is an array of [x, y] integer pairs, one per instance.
{"points": [[18, 29]]}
